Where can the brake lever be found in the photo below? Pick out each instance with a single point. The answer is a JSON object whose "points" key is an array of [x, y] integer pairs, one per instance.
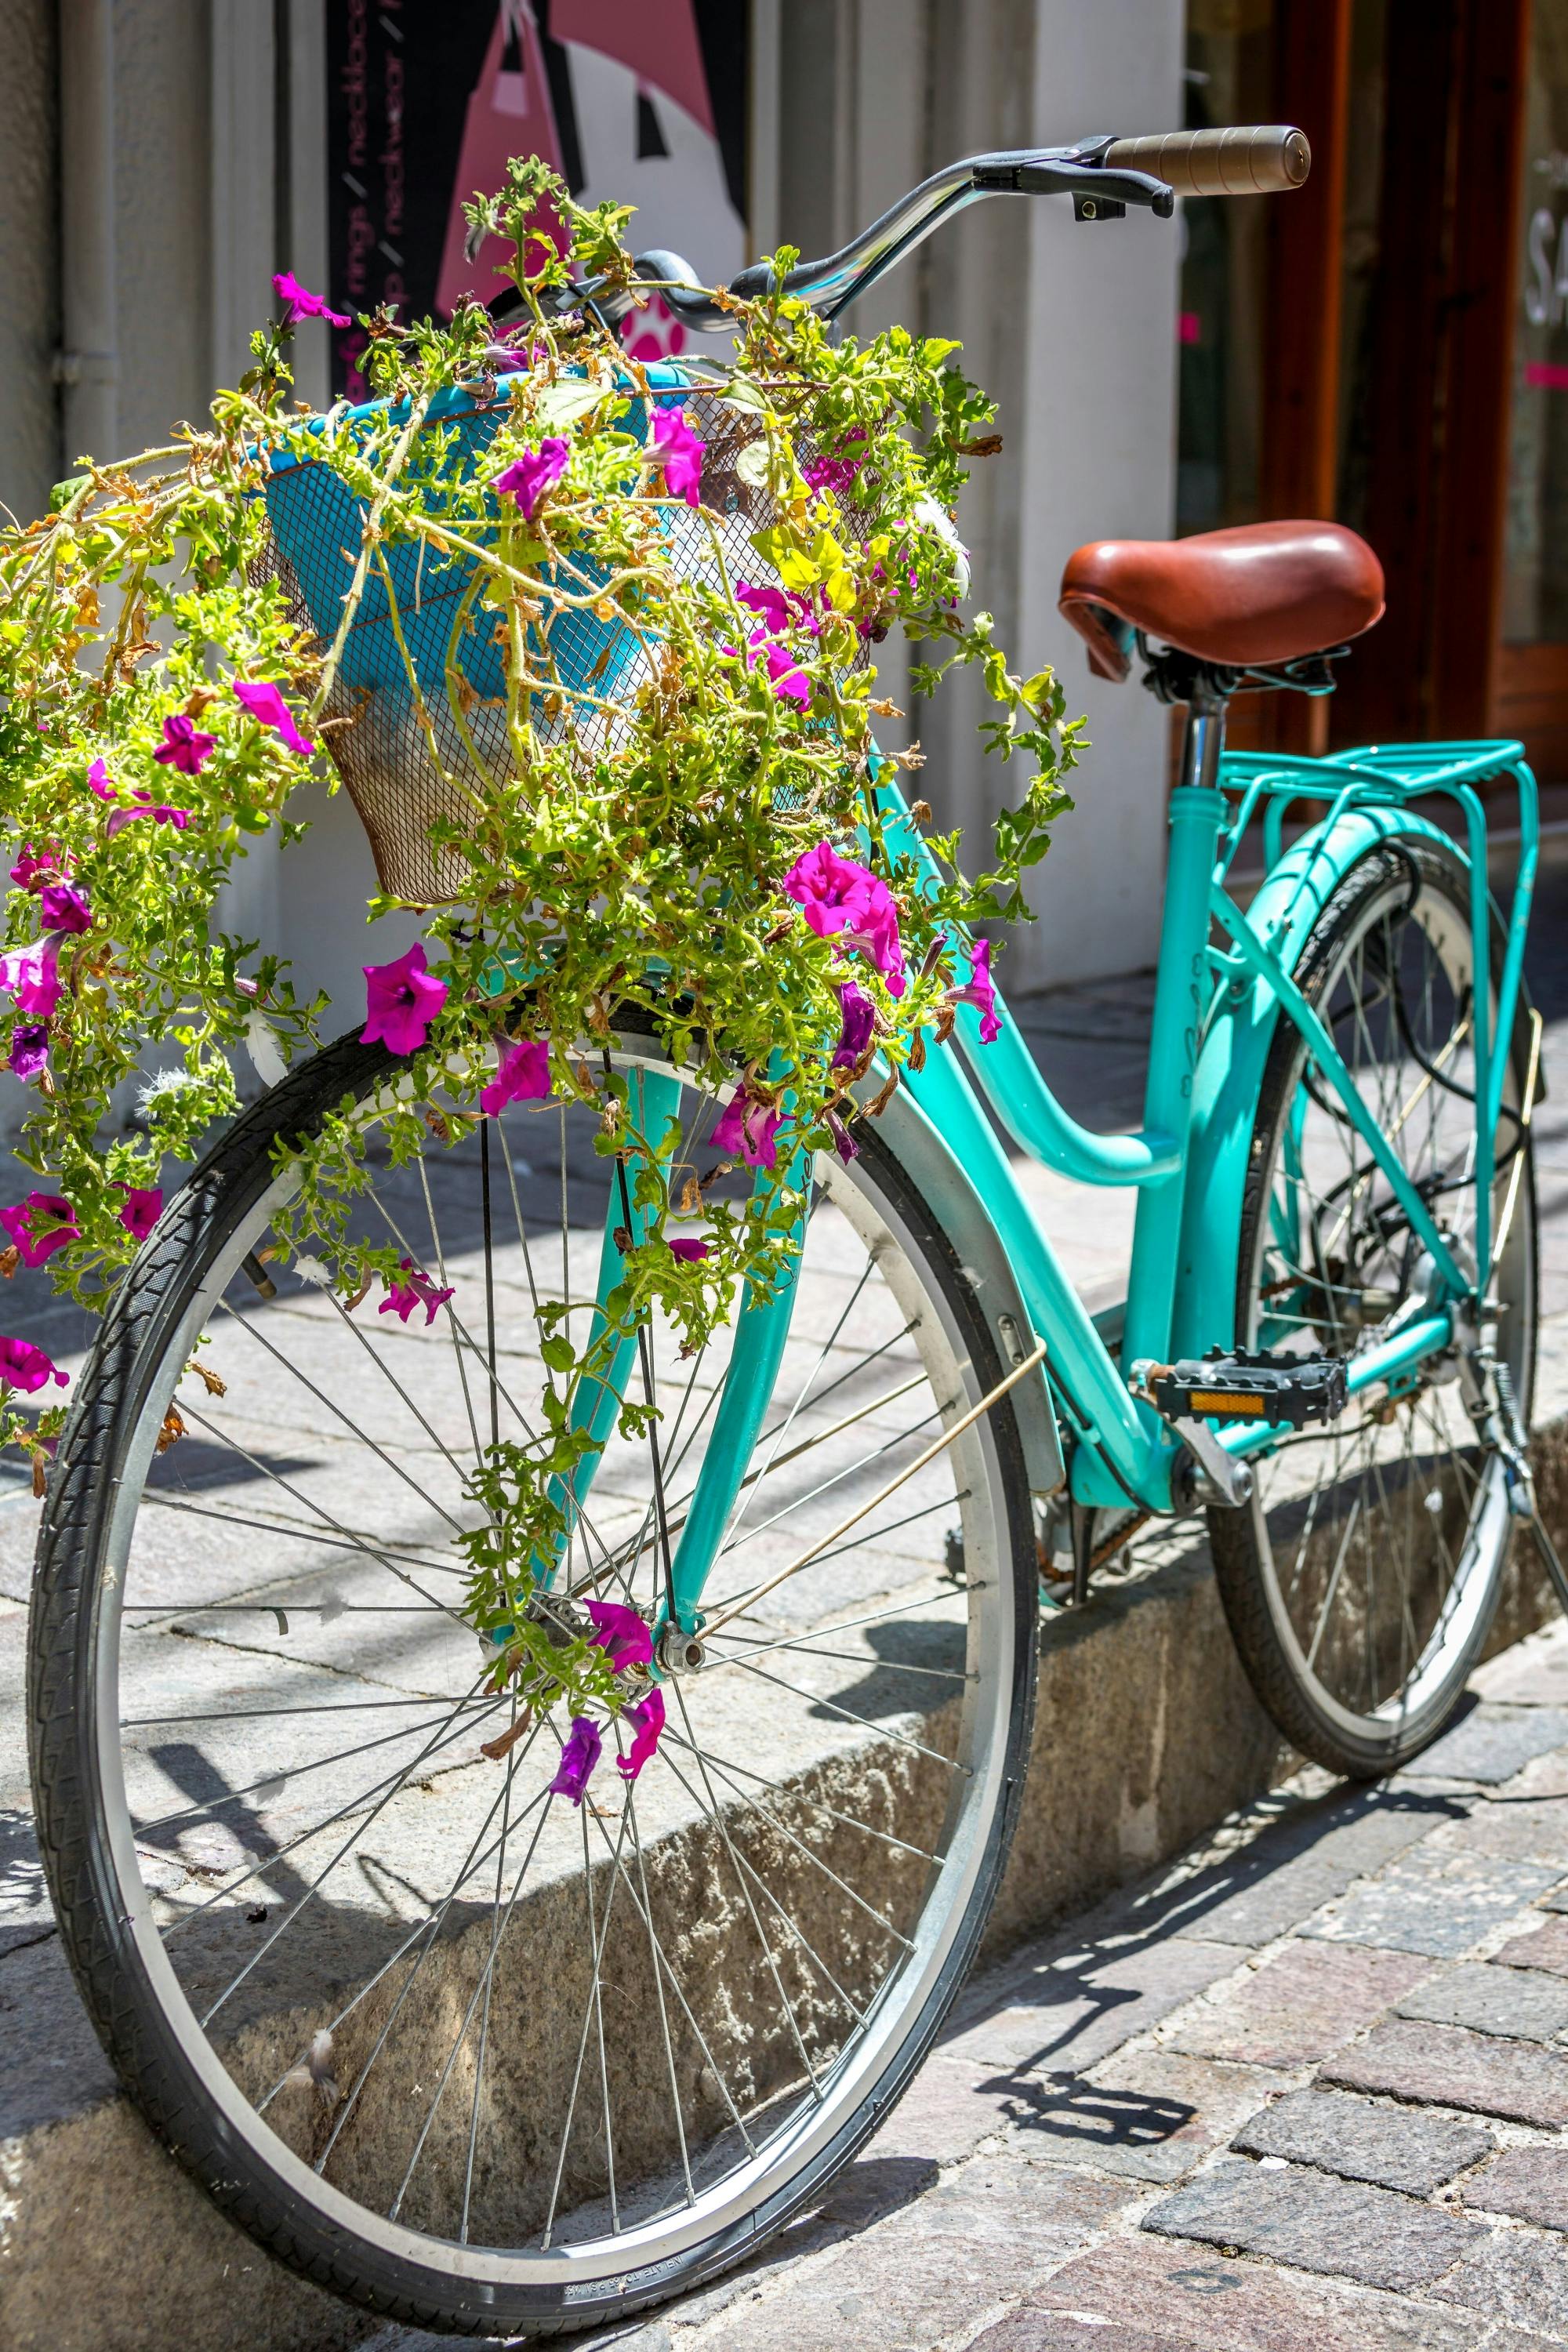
{"points": [[1098, 193]]}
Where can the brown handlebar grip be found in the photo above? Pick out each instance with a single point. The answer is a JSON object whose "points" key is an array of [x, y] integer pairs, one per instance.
{"points": [[1251, 159]]}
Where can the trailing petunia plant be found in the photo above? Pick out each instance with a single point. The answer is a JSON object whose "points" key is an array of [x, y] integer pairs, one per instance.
{"points": [[657, 781]]}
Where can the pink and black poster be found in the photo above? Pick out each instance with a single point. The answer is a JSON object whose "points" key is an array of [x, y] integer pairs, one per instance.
{"points": [[641, 101]]}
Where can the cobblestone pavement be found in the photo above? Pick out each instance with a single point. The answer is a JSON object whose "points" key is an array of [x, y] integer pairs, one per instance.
{"points": [[1303, 2092]]}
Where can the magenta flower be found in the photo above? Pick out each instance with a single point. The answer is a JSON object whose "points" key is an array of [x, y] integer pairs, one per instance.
{"points": [[301, 303], [143, 1207], [646, 1720], [42, 1223], [679, 451], [790, 682], [402, 1000], [844, 1143], [30, 1048], [621, 1633], [23, 1366], [523, 1075], [841, 898], [690, 1251], [30, 872], [834, 474], [65, 909], [31, 975], [860, 1021], [980, 991], [747, 1130], [578, 1758], [416, 1289], [98, 781], [160, 812], [778, 608], [267, 707], [536, 471], [184, 745]]}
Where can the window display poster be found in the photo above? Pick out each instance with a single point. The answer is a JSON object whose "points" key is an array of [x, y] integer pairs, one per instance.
{"points": [[641, 101]]}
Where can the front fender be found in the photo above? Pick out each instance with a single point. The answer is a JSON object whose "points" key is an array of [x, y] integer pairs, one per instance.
{"points": [[1229, 1073]]}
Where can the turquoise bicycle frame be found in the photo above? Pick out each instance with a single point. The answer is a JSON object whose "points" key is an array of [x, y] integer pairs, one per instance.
{"points": [[1215, 1011]]}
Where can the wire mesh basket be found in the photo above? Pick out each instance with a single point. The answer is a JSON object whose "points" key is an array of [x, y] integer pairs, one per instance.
{"points": [[400, 786]]}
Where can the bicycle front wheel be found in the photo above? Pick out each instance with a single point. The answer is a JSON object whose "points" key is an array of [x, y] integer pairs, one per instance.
{"points": [[1360, 1582], [472, 2056]]}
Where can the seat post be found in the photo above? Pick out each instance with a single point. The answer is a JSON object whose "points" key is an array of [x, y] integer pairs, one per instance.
{"points": [[1196, 814]]}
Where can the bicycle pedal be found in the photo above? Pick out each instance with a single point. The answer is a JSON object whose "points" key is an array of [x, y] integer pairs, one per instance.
{"points": [[1288, 1391]]}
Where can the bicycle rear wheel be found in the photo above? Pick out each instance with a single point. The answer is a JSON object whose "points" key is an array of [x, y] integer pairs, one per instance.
{"points": [[469, 2057], [1361, 1580]]}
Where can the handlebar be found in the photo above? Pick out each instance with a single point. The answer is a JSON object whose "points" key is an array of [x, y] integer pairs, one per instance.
{"points": [[1257, 160], [1102, 176]]}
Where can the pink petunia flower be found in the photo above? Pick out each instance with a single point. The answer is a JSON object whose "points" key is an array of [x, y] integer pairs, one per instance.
{"points": [[25, 1367], [267, 707], [578, 1757], [523, 1075], [690, 1250], [416, 1289], [184, 746], [679, 450], [402, 1000], [748, 1130], [621, 1633], [842, 898], [29, 1048], [65, 909], [536, 471], [31, 871], [32, 976], [143, 1207], [646, 1720], [42, 1223], [160, 812], [301, 303], [99, 782], [860, 1023], [981, 989], [790, 682]]}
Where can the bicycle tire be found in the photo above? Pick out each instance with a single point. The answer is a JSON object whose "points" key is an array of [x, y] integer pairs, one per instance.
{"points": [[1419, 890], [73, 1635]]}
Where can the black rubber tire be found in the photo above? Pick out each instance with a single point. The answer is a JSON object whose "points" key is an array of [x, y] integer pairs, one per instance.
{"points": [[152, 2066], [1239, 1568]]}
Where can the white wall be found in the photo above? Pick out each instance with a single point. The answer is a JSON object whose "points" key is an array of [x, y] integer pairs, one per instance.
{"points": [[1071, 328], [1099, 463]]}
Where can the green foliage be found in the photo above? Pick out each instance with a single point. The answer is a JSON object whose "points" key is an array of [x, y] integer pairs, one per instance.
{"points": [[634, 867]]}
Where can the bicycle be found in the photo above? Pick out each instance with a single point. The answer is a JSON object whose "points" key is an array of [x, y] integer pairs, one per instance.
{"points": [[483, 2062]]}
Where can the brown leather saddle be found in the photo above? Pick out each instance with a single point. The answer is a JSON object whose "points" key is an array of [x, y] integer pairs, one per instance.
{"points": [[1254, 599]]}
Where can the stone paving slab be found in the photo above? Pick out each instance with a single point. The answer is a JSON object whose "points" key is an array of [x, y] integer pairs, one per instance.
{"points": [[1444, 2066], [1393, 2147], [1545, 1947], [1317, 2224], [1432, 1902], [1150, 2115], [1299, 2006], [1526, 2003], [1528, 2182], [1491, 1743], [1516, 2275]]}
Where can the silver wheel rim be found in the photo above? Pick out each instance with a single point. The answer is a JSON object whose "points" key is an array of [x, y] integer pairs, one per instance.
{"points": [[811, 2119], [1432, 1645]]}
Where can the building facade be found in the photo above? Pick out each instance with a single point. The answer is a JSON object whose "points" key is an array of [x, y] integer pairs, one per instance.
{"points": [[165, 156]]}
